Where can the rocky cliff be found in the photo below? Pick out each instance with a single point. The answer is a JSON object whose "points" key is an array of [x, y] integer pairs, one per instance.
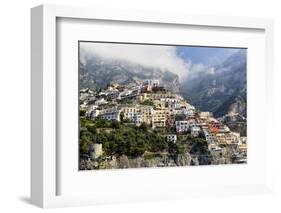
{"points": [[96, 73], [221, 91], [123, 162]]}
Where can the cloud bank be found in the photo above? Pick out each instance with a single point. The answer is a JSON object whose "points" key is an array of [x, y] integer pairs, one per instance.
{"points": [[151, 56]]}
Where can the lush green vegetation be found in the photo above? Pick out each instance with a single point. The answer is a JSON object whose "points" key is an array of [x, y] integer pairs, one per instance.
{"points": [[120, 138], [82, 113], [125, 138], [199, 146]]}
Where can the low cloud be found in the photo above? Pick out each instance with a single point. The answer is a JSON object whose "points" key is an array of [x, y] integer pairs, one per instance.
{"points": [[151, 56], [196, 69]]}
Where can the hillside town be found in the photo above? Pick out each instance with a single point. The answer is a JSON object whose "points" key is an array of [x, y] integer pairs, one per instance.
{"points": [[151, 103]]}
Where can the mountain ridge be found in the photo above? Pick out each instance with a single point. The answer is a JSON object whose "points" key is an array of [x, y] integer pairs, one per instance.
{"points": [[220, 91], [96, 73]]}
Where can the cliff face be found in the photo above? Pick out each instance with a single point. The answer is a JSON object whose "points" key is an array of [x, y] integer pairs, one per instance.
{"points": [[123, 162], [234, 105], [96, 73], [221, 91]]}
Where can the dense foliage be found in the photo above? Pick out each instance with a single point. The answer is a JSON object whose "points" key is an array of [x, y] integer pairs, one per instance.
{"points": [[124, 138], [120, 138]]}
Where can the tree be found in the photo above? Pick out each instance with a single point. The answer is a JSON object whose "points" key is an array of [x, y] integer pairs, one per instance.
{"points": [[121, 148], [92, 129], [180, 148], [102, 123], [137, 151], [201, 135], [115, 125], [82, 112], [122, 117], [84, 146], [199, 146], [171, 147], [143, 127], [157, 143], [85, 142]]}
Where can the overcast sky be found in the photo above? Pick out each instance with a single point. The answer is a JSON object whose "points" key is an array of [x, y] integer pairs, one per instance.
{"points": [[178, 59]]}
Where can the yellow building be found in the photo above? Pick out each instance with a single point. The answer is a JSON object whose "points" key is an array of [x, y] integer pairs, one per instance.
{"points": [[155, 96], [160, 117], [221, 138], [204, 115], [243, 148], [146, 113], [158, 104], [232, 138], [142, 97], [129, 111]]}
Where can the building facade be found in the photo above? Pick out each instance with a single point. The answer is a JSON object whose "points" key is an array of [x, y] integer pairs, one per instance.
{"points": [[182, 126]]}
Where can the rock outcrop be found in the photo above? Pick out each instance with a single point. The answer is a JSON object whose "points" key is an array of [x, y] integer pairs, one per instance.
{"points": [[123, 162]]}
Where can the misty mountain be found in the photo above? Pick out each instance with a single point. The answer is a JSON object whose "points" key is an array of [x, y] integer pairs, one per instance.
{"points": [[96, 73], [221, 91]]}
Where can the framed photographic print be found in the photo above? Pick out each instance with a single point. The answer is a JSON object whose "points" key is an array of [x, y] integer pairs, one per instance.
{"points": [[130, 106], [135, 106]]}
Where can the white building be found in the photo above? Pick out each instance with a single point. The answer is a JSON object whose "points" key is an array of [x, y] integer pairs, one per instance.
{"points": [[204, 115], [124, 94], [129, 111], [182, 126], [172, 138], [113, 94], [190, 112], [172, 102], [153, 83], [233, 138], [100, 101], [96, 151], [195, 131], [210, 138], [93, 114], [180, 111], [110, 114], [137, 118], [224, 129], [93, 107], [243, 140]]}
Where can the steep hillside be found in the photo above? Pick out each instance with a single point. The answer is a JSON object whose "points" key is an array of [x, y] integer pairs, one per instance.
{"points": [[223, 90], [97, 73]]}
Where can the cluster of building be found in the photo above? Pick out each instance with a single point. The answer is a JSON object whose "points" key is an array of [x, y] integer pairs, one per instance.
{"points": [[219, 135], [149, 102]]}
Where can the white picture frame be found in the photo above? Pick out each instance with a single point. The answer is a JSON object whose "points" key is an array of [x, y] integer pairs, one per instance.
{"points": [[44, 169]]}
